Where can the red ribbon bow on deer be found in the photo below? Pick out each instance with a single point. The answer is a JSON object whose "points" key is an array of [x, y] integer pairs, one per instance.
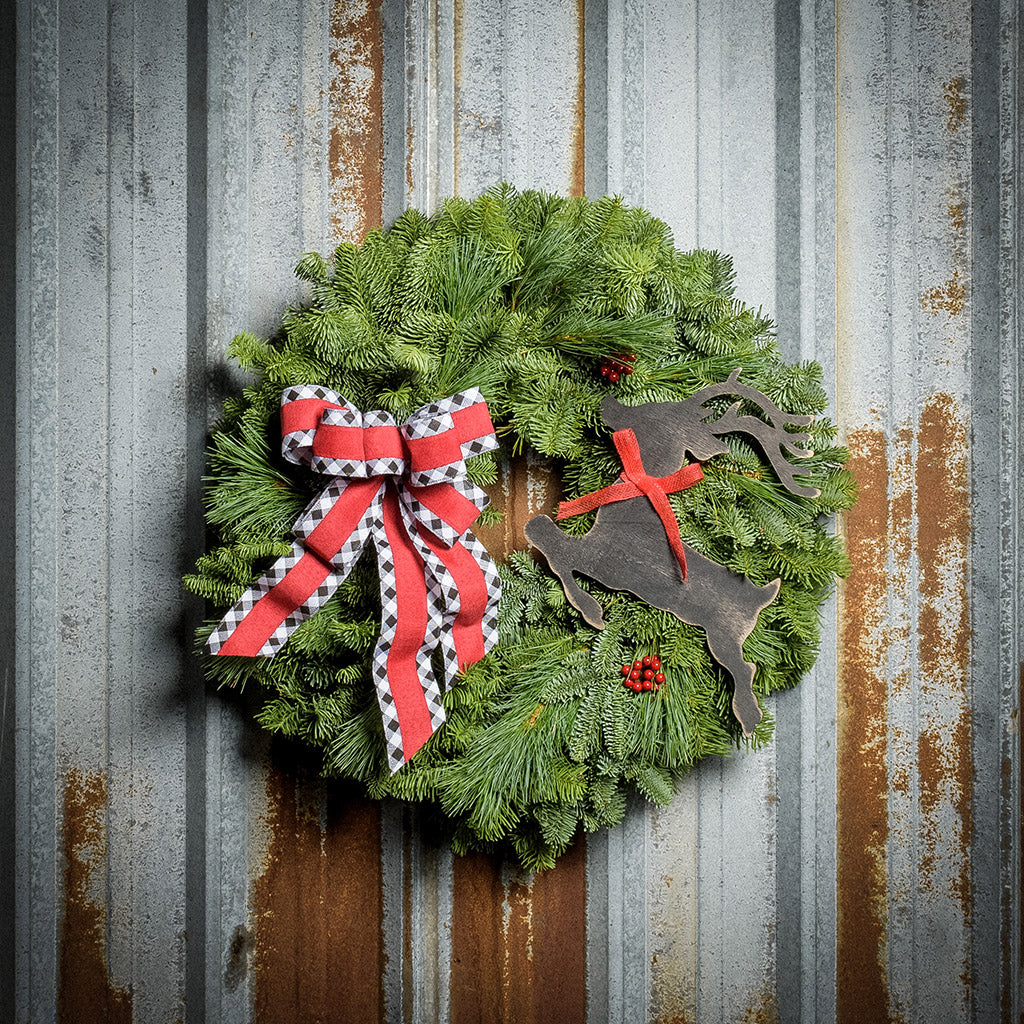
{"points": [[636, 483], [405, 490]]}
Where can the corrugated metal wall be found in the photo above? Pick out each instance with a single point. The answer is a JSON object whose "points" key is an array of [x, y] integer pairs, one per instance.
{"points": [[860, 160]]}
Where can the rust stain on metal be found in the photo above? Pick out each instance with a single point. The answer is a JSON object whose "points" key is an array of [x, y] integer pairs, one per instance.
{"points": [[949, 297], [356, 147], [239, 952], [862, 988], [85, 992], [1007, 974], [524, 489], [958, 217], [458, 30], [764, 1010], [318, 909], [409, 146], [957, 103], [578, 186], [897, 631], [944, 530], [519, 944], [477, 910]]}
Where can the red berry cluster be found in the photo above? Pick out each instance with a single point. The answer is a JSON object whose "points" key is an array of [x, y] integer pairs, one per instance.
{"points": [[643, 674], [614, 367]]}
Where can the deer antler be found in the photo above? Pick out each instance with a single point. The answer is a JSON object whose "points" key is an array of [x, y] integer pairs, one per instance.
{"points": [[775, 440]]}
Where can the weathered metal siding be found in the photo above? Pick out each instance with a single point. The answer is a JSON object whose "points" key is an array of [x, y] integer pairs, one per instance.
{"points": [[861, 161]]}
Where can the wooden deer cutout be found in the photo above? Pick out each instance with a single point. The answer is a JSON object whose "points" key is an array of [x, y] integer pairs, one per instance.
{"points": [[628, 549]]}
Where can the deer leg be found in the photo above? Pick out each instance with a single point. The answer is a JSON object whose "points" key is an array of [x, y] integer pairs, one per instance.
{"points": [[728, 652], [556, 547]]}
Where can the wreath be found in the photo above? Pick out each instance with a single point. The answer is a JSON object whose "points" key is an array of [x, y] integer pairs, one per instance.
{"points": [[428, 359]]}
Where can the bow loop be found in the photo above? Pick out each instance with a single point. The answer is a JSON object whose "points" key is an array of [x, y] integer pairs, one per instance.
{"points": [[443, 510], [435, 449], [358, 445], [302, 409]]}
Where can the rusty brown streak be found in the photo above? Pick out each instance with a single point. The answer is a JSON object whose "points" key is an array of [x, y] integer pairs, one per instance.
{"points": [[944, 528], [518, 951], [458, 28], [578, 187], [764, 1009], [317, 907], [85, 993], [521, 492], [356, 146], [862, 827]]}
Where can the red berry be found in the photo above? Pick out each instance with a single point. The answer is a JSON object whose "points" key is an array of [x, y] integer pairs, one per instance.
{"points": [[638, 664], [613, 376], [635, 674], [659, 677], [647, 661], [627, 370], [647, 684], [630, 357], [604, 370], [626, 669], [655, 663]]}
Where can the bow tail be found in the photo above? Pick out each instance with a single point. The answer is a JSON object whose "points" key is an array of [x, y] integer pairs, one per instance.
{"points": [[668, 520], [463, 590], [331, 532], [407, 689], [471, 621], [293, 588]]}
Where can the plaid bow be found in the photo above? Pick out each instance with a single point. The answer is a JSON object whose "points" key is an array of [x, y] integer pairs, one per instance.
{"points": [[405, 489]]}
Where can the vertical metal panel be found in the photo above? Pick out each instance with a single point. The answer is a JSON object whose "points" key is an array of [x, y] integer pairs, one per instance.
{"points": [[995, 597], [690, 133], [35, 810], [736, 802], [805, 246], [999, 407], [255, 100], [294, 157], [862, 165], [8, 449], [101, 441], [916, 689]]}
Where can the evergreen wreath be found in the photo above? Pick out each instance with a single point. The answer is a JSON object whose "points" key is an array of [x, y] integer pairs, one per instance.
{"points": [[547, 305]]}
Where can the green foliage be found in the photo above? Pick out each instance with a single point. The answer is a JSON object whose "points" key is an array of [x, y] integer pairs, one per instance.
{"points": [[521, 294]]}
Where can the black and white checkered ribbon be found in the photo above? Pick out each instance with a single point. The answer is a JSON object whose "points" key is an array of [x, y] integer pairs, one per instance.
{"points": [[405, 490]]}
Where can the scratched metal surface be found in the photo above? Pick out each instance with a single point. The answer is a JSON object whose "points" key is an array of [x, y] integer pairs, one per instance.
{"points": [[861, 161]]}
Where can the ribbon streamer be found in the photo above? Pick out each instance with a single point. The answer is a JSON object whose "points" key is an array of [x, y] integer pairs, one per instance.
{"points": [[636, 482], [403, 489]]}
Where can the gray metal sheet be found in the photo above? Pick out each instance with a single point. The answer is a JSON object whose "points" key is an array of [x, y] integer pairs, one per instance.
{"points": [[35, 600], [8, 292], [862, 164], [100, 734]]}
